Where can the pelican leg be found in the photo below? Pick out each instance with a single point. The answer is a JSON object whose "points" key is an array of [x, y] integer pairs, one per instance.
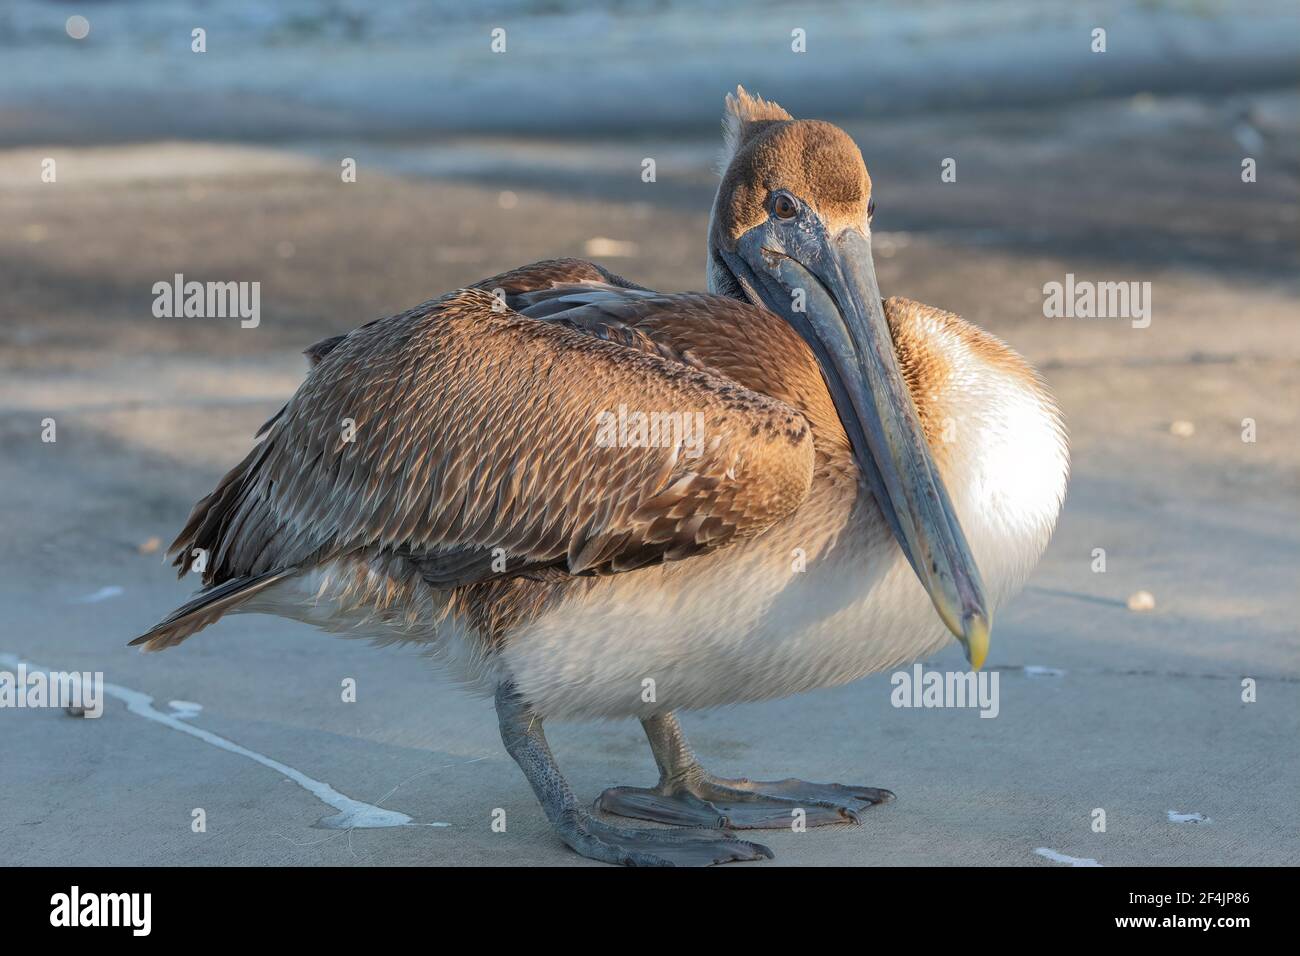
{"points": [[521, 732], [688, 795]]}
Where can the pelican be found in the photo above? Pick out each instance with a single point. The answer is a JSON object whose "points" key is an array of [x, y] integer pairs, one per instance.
{"points": [[869, 477]]}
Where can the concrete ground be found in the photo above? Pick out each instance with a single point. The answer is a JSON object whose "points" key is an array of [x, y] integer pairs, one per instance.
{"points": [[1137, 713]]}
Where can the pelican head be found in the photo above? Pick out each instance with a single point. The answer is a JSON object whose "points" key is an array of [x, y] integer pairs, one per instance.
{"points": [[791, 230]]}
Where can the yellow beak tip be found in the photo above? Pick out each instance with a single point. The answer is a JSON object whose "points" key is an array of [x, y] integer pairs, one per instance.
{"points": [[976, 640]]}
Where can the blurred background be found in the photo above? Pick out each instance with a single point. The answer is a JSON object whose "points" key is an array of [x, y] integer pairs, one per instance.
{"points": [[1122, 165]]}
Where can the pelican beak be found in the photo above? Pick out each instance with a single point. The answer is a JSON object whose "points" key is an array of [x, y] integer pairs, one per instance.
{"points": [[825, 287]]}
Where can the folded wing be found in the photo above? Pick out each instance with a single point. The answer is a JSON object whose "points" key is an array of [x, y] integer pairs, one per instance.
{"points": [[478, 442]]}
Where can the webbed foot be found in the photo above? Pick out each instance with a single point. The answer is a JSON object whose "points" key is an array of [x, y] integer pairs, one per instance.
{"points": [[702, 800], [656, 847], [688, 795]]}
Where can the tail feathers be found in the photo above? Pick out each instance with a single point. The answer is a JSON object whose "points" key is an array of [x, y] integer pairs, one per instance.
{"points": [[205, 608]]}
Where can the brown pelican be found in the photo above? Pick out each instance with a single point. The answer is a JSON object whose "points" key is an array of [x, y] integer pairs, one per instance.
{"points": [[477, 475]]}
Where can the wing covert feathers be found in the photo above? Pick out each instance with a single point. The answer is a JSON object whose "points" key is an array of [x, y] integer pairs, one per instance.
{"points": [[478, 442]]}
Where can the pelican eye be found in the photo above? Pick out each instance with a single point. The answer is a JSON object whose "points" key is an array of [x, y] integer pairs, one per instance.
{"points": [[784, 206]]}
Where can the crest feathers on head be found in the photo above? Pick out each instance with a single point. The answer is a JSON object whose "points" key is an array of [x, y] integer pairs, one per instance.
{"points": [[745, 115]]}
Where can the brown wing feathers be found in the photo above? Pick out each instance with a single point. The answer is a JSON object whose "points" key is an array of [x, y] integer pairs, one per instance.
{"points": [[459, 433]]}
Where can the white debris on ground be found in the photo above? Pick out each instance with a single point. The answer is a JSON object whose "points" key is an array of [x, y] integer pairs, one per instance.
{"points": [[1141, 601], [1067, 860]]}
